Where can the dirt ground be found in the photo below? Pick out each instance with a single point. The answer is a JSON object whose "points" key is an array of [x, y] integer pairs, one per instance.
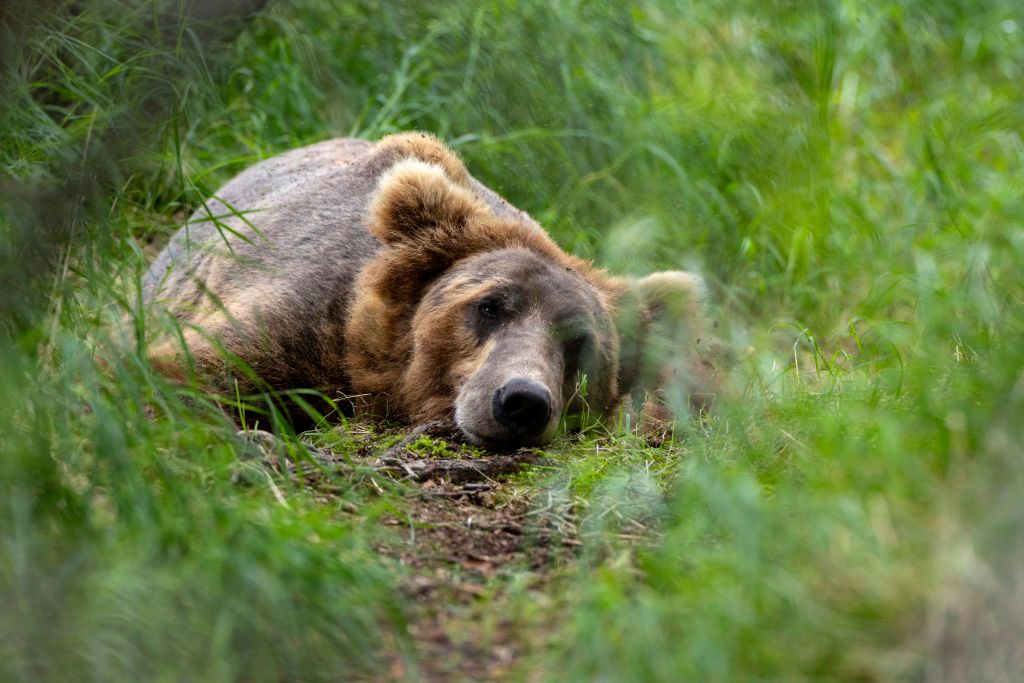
{"points": [[460, 544], [464, 537]]}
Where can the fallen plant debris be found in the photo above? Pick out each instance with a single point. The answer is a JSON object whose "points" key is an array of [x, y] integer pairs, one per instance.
{"points": [[400, 460], [459, 537]]}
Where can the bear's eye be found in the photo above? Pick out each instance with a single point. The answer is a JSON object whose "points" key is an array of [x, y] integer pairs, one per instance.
{"points": [[574, 348], [488, 309]]}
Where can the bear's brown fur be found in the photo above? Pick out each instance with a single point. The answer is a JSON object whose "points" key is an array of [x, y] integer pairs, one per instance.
{"points": [[386, 270]]}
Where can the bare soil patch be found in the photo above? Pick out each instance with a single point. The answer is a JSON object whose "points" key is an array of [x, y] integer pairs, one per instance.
{"points": [[463, 538]]}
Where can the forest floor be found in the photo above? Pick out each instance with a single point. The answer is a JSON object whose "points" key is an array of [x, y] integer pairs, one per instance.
{"points": [[465, 531], [469, 537]]}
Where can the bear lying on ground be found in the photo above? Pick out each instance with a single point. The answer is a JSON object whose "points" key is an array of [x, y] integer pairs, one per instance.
{"points": [[386, 271]]}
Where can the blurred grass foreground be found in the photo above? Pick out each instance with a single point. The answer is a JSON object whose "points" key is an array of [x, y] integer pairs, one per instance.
{"points": [[848, 176]]}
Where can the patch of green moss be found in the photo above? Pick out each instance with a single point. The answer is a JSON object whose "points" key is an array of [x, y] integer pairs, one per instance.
{"points": [[428, 447]]}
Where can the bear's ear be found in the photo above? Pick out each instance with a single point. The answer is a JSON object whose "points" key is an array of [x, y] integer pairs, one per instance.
{"points": [[660, 321], [415, 199], [672, 295]]}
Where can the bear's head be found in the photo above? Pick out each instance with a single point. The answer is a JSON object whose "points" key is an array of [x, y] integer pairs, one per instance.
{"points": [[467, 316]]}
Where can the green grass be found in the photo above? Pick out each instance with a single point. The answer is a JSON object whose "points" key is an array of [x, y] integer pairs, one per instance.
{"points": [[849, 177]]}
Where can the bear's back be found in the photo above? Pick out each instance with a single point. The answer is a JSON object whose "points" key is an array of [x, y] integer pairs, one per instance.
{"points": [[297, 220], [278, 222]]}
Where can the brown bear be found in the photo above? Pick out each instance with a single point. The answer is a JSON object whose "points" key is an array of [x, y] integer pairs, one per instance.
{"points": [[386, 271]]}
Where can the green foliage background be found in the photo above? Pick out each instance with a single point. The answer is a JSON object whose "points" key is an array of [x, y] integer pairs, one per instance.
{"points": [[849, 177]]}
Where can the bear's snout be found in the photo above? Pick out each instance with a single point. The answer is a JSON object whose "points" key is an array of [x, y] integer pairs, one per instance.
{"points": [[523, 406]]}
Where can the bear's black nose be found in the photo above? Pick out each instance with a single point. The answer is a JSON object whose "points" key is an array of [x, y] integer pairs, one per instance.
{"points": [[523, 406]]}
